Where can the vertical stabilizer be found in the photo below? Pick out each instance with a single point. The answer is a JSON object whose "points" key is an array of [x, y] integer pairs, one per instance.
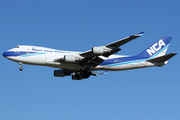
{"points": [[157, 49]]}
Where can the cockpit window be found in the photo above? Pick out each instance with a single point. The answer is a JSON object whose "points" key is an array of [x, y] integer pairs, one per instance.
{"points": [[17, 47]]}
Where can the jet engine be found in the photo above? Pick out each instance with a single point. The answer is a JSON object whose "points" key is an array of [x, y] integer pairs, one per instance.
{"points": [[61, 73], [72, 58], [101, 50]]}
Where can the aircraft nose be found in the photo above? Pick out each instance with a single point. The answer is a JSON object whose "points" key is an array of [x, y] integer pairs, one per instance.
{"points": [[5, 54]]}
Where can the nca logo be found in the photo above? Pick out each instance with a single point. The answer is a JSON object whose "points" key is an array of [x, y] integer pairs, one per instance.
{"points": [[157, 46]]}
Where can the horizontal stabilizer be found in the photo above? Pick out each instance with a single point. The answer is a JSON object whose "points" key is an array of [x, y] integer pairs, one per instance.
{"points": [[162, 58]]}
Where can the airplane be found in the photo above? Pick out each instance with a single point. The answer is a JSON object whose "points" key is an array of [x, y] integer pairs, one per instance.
{"points": [[81, 65]]}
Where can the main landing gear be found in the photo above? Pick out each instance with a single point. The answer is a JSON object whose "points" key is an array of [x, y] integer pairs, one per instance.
{"points": [[21, 68], [83, 73]]}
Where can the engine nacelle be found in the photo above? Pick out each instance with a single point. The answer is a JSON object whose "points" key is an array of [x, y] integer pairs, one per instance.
{"points": [[61, 73], [72, 58], [101, 50]]}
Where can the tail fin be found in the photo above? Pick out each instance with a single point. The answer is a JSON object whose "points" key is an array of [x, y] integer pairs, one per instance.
{"points": [[157, 49]]}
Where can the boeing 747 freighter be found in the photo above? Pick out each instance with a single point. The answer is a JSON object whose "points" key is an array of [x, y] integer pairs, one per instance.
{"points": [[81, 65]]}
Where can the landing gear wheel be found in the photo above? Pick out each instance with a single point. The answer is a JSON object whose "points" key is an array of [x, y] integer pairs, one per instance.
{"points": [[21, 68]]}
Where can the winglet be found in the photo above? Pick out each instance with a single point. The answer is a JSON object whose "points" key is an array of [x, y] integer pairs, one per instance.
{"points": [[141, 33]]}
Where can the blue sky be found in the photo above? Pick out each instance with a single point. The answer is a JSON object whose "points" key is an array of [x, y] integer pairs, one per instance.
{"points": [[142, 94]]}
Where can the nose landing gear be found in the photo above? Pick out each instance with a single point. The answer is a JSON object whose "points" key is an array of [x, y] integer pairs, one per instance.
{"points": [[21, 68]]}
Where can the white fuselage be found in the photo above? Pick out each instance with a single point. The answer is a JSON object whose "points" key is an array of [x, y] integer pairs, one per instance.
{"points": [[42, 56]]}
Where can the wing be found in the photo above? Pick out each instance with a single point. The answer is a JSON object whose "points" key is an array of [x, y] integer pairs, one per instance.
{"points": [[125, 40], [113, 47], [91, 57]]}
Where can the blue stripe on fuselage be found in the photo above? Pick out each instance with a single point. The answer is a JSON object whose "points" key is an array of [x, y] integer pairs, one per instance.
{"points": [[20, 53], [15, 53]]}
